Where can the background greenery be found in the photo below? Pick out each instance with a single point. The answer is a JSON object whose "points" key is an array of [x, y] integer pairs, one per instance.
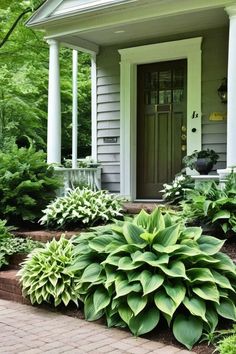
{"points": [[24, 82]]}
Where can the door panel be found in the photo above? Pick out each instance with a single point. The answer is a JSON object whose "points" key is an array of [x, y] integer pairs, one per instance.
{"points": [[161, 122]]}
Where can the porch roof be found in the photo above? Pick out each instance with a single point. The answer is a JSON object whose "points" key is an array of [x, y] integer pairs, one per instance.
{"points": [[97, 24]]}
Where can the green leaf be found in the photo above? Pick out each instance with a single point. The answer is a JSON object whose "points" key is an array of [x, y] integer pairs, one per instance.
{"points": [[212, 319], [207, 292], [126, 263], [132, 233], [176, 269], [166, 249], [210, 245], [136, 302], [89, 309], [200, 275], [176, 291], [99, 243], [142, 219], [168, 236], [221, 280], [150, 282], [101, 299], [144, 322], [196, 307], [222, 214], [91, 273], [225, 263], [226, 309], [123, 287], [165, 303], [125, 313], [187, 330], [193, 233], [156, 221], [151, 259]]}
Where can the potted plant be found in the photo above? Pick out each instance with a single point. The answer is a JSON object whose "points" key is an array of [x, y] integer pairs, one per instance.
{"points": [[202, 160]]}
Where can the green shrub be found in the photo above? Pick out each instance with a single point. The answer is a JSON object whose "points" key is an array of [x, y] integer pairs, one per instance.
{"points": [[175, 191], [208, 203], [82, 207], [44, 276], [10, 245], [27, 184], [154, 267], [228, 345]]}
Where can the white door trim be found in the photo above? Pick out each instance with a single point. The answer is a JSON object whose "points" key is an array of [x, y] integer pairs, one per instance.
{"points": [[189, 49]]}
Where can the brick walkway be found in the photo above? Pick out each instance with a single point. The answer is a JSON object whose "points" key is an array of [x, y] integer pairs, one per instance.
{"points": [[26, 329]]}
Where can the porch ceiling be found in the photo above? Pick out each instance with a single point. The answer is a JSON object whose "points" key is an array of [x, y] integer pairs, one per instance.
{"points": [[155, 28]]}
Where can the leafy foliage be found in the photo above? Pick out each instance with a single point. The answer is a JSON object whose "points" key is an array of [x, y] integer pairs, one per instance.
{"points": [[209, 203], [27, 184], [10, 245], [44, 276], [175, 191], [24, 83], [227, 345], [154, 267], [82, 207]]}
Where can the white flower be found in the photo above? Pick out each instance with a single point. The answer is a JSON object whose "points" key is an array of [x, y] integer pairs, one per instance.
{"points": [[177, 193], [175, 185]]}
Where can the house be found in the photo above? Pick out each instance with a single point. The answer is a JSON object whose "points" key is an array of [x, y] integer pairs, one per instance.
{"points": [[156, 69]]}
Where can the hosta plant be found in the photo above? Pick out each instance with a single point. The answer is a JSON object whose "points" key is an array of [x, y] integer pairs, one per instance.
{"points": [[10, 245], [209, 203], [44, 276], [137, 272], [82, 207]]}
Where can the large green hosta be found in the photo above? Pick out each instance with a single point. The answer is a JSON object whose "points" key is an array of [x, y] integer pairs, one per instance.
{"points": [[136, 272]]}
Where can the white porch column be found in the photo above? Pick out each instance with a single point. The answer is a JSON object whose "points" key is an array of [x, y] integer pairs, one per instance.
{"points": [[94, 105], [75, 109], [231, 114], [54, 105]]}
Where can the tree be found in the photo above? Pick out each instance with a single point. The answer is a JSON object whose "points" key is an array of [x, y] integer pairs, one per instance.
{"points": [[24, 82]]}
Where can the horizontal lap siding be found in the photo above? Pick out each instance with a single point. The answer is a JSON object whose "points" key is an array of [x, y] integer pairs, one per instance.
{"points": [[108, 118], [214, 53]]}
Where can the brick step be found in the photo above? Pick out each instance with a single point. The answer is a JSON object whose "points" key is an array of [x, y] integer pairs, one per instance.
{"points": [[44, 235], [136, 207], [10, 288]]}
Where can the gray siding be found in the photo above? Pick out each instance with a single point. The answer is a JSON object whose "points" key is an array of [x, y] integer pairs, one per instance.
{"points": [[108, 118], [214, 69]]}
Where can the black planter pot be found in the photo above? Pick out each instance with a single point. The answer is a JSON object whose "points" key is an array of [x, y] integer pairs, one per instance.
{"points": [[203, 165]]}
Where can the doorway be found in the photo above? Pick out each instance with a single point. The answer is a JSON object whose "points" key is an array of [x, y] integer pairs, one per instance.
{"points": [[161, 124]]}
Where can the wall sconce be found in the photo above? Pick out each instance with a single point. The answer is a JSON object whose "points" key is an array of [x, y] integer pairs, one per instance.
{"points": [[222, 91]]}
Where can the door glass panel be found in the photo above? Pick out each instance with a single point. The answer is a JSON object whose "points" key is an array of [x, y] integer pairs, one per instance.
{"points": [[178, 96], [165, 96], [178, 78], [154, 81], [164, 80]]}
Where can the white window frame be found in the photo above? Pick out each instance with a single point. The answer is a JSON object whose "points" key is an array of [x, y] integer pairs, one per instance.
{"points": [[189, 49]]}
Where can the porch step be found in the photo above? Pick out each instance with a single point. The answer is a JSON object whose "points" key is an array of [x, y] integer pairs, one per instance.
{"points": [[44, 235], [10, 288], [136, 207]]}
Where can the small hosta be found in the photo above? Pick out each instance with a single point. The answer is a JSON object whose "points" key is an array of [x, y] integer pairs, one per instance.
{"points": [[154, 267], [44, 275], [82, 207]]}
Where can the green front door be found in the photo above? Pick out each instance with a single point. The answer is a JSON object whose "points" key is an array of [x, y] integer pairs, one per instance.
{"points": [[161, 125]]}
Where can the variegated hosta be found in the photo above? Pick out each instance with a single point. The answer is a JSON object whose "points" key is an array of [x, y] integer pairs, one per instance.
{"points": [[44, 276], [138, 271]]}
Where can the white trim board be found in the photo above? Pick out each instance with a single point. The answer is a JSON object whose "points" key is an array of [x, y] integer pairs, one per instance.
{"points": [[189, 49]]}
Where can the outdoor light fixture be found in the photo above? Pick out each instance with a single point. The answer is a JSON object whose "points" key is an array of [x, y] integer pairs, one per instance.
{"points": [[222, 91]]}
